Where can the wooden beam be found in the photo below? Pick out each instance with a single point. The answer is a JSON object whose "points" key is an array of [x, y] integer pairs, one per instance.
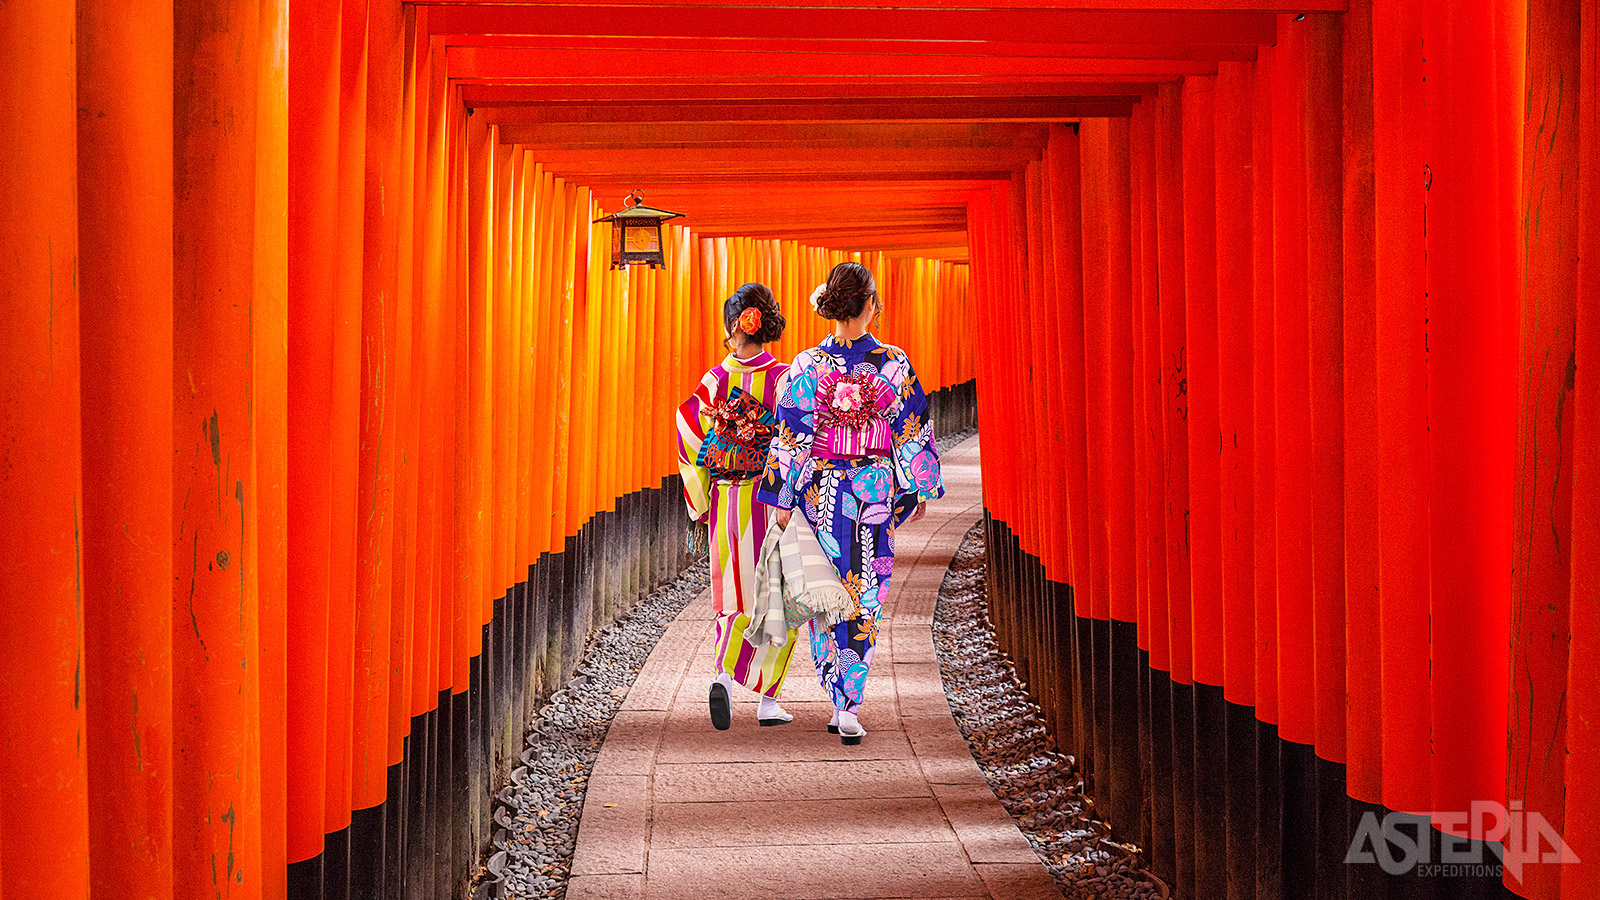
{"points": [[1191, 50], [660, 90], [789, 163], [628, 136], [507, 64], [518, 123], [1172, 21], [787, 201]]}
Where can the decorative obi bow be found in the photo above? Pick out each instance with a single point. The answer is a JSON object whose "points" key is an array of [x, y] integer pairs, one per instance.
{"points": [[741, 430], [852, 415]]}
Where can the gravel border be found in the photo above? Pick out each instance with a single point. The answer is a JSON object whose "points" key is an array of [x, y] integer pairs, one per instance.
{"points": [[1037, 783], [538, 810]]}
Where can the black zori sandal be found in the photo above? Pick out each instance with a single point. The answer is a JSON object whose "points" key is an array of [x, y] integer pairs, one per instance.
{"points": [[852, 738], [776, 720], [721, 715], [833, 729]]}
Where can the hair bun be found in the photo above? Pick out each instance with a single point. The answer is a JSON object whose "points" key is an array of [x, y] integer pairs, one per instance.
{"points": [[845, 294]]}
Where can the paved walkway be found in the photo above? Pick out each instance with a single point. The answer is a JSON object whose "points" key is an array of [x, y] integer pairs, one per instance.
{"points": [[676, 809]]}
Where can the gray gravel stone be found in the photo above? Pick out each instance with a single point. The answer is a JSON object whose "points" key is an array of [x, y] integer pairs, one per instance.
{"points": [[1037, 783], [544, 797]]}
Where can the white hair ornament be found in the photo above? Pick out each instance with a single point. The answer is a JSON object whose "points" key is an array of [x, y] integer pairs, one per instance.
{"points": [[816, 295]]}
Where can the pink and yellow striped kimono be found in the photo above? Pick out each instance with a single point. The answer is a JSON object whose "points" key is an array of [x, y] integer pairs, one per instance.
{"points": [[736, 520]]}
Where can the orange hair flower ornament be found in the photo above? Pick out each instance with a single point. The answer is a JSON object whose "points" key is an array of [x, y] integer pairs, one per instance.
{"points": [[750, 321]]}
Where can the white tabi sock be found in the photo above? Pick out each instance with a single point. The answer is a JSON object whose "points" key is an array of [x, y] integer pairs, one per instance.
{"points": [[769, 709]]}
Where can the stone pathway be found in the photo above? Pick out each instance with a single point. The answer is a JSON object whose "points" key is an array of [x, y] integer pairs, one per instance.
{"points": [[676, 809]]}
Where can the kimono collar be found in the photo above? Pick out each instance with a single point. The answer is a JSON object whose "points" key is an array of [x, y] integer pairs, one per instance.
{"points": [[759, 361], [865, 342]]}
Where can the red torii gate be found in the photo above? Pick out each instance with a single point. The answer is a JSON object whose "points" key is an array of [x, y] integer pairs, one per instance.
{"points": [[1342, 255]]}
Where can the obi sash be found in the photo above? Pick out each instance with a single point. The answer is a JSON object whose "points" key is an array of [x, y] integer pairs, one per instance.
{"points": [[736, 446], [852, 416]]}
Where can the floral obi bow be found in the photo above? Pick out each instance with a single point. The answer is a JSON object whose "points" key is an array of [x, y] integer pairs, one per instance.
{"points": [[741, 431], [852, 415]]}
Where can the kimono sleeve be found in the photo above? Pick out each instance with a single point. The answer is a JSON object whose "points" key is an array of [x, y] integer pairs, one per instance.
{"points": [[916, 456], [694, 421], [789, 455]]}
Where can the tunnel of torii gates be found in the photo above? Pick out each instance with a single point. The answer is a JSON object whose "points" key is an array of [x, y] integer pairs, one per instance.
{"points": [[327, 433]]}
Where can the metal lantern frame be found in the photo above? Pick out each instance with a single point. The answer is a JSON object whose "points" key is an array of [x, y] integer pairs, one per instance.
{"points": [[636, 233]]}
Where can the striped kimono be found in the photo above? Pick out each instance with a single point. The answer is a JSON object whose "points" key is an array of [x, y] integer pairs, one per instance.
{"points": [[737, 522]]}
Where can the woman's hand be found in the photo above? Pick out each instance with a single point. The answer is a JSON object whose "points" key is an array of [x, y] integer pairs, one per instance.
{"points": [[783, 517], [918, 512]]}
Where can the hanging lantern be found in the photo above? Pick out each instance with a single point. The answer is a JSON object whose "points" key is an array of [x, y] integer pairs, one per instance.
{"points": [[636, 233]]}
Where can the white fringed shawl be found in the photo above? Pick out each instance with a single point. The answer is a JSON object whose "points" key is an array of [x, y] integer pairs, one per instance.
{"points": [[797, 581]]}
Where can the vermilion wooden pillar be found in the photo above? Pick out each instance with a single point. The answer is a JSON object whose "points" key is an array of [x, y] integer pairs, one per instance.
{"points": [[1091, 581], [1324, 166], [345, 426], [1583, 664], [1201, 375], [1172, 701], [1323, 788], [1268, 881], [270, 359], [1205, 452], [1173, 375], [427, 172], [1264, 554], [44, 826], [402, 546], [380, 408], [125, 142], [216, 651], [538, 330], [1542, 525], [1363, 682], [1472, 414], [1120, 643], [1402, 406], [1235, 368], [1149, 524], [485, 331], [313, 235], [1039, 316], [497, 208], [1034, 315], [1153, 633], [1292, 387], [1064, 187], [476, 607]]}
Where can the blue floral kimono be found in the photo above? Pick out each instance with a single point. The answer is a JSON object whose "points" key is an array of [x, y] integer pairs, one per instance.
{"points": [[854, 450]]}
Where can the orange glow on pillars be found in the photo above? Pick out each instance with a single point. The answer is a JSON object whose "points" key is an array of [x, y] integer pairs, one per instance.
{"points": [[125, 144], [313, 217], [43, 793], [269, 356], [379, 411], [216, 648]]}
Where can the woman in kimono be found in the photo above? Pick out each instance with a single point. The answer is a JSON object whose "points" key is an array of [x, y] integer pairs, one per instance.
{"points": [[854, 450], [724, 431]]}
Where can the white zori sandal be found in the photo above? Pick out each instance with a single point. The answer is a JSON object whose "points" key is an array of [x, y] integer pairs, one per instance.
{"points": [[850, 730]]}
